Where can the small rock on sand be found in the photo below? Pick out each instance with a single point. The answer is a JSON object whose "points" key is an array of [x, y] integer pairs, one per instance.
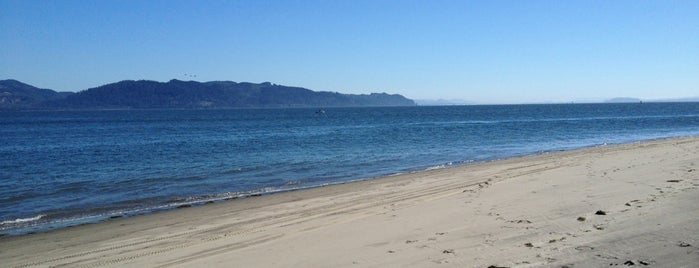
{"points": [[600, 212], [581, 218], [684, 244]]}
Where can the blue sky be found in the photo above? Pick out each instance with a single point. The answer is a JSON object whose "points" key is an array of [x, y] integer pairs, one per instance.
{"points": [[481, 51]]}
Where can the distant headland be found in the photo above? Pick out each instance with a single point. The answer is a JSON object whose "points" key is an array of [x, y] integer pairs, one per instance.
{"points": [[177, 94]]}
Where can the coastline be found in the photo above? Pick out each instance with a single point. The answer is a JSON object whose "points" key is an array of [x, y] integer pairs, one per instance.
{"points": [[516, 212], [41, 227]]}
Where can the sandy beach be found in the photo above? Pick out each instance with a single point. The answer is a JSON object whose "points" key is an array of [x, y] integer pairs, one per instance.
{"points": [[633, 204]]}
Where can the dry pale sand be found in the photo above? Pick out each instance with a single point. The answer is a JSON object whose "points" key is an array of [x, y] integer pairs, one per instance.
{"points": [[523, 212]]}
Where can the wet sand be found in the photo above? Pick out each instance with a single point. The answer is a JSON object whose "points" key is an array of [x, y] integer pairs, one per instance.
{"points": [[632, 204]]}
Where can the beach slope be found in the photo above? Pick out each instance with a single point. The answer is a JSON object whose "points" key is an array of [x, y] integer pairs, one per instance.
{"points": [[632, 204]]}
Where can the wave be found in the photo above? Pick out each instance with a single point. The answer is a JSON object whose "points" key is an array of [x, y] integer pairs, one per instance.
{"points": [[548, 120], [445, 165], [23, 220]]}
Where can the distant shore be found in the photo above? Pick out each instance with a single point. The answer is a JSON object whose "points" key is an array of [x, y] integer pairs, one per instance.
{"points": [[610, 205]]}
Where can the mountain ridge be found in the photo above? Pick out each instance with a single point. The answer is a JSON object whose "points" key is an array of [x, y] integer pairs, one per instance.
{"points": [[178, 94], [17, 95]]}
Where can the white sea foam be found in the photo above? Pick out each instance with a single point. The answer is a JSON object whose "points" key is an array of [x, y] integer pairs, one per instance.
{"points": [[446, 165], [436, 167], [21, 220]]}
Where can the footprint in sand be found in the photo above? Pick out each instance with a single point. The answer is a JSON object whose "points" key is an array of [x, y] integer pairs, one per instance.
{"points": [[584, 248], [519, 221], [557, 240]]}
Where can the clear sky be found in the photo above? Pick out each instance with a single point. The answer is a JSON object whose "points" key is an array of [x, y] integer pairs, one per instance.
{"points": [[481, 51]]}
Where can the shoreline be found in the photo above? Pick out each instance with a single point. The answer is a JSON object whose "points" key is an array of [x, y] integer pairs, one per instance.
{"points": [[203, 200], [391, 209], [197, 201]]}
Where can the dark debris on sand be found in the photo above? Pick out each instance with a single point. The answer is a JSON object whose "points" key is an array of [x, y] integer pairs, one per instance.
{"points": [[684, 244], [600, 212], [631, 263]]}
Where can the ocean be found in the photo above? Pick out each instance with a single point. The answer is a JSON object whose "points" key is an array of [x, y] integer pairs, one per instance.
{"points": [[64, 168]]}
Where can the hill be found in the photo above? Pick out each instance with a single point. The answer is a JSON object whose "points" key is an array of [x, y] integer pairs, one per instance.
{"points": [[636, 100], [177, 94], [442, 102], [623, 100], [17, 95]]}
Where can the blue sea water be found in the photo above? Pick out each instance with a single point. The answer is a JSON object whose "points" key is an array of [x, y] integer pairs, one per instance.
{"points": [[61, 168]]}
